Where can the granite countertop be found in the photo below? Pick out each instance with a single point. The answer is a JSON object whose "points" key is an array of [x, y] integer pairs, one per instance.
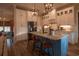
{"points": [[57, 36]]}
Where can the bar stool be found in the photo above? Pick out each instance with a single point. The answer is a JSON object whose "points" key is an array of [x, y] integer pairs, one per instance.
{"points": [[44, 44], [37, 44], [47, 46]]}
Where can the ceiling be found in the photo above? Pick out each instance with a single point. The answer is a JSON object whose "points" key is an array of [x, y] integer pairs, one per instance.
{"points": [[6, 12], [38, 6]]}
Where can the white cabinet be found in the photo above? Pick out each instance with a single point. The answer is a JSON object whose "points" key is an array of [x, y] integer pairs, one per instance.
{"points": [[21, 25], [21, 22], [66, 16], [71, 38]]}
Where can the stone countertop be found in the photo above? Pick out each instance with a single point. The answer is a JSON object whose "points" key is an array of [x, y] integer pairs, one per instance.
{"points": [[57, 36]]}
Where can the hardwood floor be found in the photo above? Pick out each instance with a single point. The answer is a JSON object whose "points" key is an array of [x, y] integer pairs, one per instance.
{"points": [[23, 48], [73, 50], [20, 49]]}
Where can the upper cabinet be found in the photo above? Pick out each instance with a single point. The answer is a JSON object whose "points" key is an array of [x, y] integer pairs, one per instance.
{"points": [[66, 16], [50, 17]]}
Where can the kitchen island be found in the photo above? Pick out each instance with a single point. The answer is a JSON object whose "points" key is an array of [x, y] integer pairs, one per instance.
{"points": [[58, 42]]}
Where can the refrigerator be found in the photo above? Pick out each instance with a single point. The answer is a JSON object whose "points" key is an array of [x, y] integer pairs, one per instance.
{"points": [[32, 26]]}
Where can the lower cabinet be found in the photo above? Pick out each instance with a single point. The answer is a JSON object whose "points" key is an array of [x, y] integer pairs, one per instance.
{"points": [[72, 38]]}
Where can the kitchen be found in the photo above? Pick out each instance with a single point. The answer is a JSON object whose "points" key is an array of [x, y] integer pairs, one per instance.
{"points": [[49, 28]]}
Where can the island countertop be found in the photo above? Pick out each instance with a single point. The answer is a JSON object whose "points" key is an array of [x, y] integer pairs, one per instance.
{"points": [[57, 36]]}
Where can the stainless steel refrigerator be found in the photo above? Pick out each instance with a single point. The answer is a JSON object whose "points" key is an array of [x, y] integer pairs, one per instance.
{"points": [[32, 26]]}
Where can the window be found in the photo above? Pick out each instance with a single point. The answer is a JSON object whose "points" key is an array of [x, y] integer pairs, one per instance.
{"points": [[7, 29], [70, 11], [1, 28], [61, 13], [65, 12], [58, 14]]}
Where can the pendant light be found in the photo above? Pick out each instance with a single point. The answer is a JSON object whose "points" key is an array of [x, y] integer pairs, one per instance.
{"points": [[35, 13], [48, 7]]}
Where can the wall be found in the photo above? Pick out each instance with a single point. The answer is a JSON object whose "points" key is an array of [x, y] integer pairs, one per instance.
{"points": [[76, 20]]}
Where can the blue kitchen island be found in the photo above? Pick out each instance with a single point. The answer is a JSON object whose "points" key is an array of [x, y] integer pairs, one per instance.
{"points": [[56, 45]]}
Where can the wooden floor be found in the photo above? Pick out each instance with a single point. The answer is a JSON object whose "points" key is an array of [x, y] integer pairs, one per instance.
{"points": [[23, 48], [73, 50], [20, 49]]}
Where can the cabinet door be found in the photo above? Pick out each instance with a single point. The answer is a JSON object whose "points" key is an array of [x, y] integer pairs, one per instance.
{"points": [[72, 38], [67, 18], [64, 45], [59, 20], [56, 47]]}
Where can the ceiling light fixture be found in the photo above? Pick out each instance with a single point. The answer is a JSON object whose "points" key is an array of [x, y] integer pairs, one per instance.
{"points": [[35, 12], [48, 7]]}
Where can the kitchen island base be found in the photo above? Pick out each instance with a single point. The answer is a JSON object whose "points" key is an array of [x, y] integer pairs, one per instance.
{"points": [[50, 46]]}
